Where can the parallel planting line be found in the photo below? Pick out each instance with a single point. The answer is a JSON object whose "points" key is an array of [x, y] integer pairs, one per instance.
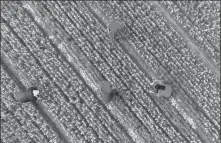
{"points": [[191, 44], [94, 70], [24, 114], [198, 26], [70, 54], [98, 14], [155, 40], [5, 61], [192, 99], [104, 59], [36, 60], [48, 75], [13, 119], [126, 104], [80, 76], [166, 70], [189, 19], [101, 56]]}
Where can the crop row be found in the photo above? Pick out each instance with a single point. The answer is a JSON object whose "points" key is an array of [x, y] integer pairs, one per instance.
{"points": [[127, 69], [28, 123], [49, 68], [91, 98], [201, 21], [137, 24], [176, 55], [94, 35], [66, 36], [113, 64], [55, 104], [95, 46], [213, 89], [73, 77], [12, 54], [164, 42]]}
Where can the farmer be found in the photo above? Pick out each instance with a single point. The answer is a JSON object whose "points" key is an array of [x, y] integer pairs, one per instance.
{"points": [[107, 92], [162, 89], [28, 95], [159, 87], [114, 26]]}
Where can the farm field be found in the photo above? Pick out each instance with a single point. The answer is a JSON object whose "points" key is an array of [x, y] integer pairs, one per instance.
{"points": [[66, 50]]}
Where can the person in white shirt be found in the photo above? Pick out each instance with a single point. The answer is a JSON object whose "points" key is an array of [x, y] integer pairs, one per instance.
{"points": [[28, 95]]}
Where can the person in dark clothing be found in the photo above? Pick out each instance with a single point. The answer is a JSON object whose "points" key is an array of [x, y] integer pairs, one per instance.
{"points": [[159, 87], [162, 89]]}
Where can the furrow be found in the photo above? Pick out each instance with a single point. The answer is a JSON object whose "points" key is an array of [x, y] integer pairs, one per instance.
{"points": [[15, 132], [215, 100], [192, 44], [66, 50], [99, 116], [213, 20], [202, 26], [26, 115], [51, 106], [118, 62], [93, 70], [162, 62], [140, 53]]}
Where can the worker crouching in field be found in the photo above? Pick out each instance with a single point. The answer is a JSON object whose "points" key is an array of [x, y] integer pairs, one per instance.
{"points": [[162, 89], [107, 92], [28, 95], [114, 26]]}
